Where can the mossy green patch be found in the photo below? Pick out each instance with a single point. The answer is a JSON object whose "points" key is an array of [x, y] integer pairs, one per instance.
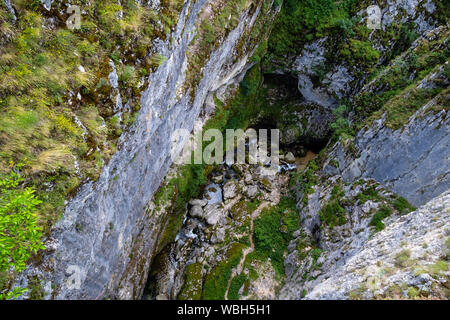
{"points": [[438, 267], [403, 259], [377, 218], [216, 281], [237, 283], [402, 205], [273, 232], [192, 287], [333, 214], [369, 193]]}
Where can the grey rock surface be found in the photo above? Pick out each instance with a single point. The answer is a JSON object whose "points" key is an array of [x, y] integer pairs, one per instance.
{"points": [[252, 191], [230, 190], [196, 211], [289, 157], [413, 161], [10, 9], [198, 202], [213, 213], [418, 238], [47, 4]]}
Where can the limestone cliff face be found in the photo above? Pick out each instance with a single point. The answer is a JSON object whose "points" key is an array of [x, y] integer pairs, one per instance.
{"points": [[412, 161], [397, 153], [406, 259], [356, 261], [106, 240]]}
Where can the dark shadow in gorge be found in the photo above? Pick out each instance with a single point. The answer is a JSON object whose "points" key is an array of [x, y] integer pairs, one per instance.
{"points": [[303, 126]]}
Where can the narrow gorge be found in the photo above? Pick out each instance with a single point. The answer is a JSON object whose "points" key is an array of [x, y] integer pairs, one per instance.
{"points": [[357, 208]]}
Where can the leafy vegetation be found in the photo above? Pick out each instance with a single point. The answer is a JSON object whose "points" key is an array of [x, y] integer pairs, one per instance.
{"points": [[359, 52], [402, 205], [236, 285], [301, 20], [216, 281], [369, 193], [20, 235], [333, 214], [342, 126], [19, 232], [273, 232], [403, 259], [192, 288], [377, 218]]}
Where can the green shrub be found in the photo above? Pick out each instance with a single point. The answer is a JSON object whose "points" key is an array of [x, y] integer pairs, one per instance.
{"points": [[127, 75], [19, 231], [403, 259], [216, 281], [439, 266], [377, 218], [369, 193], [273, 232], [413, 292], [360, 52], [304, 20], [20, 235], [236, 285], [332, 214], [192, 288], [402, 205], [342, 126]]}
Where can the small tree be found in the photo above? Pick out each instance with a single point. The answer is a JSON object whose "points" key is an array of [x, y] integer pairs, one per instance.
{"points": [[20, 235]]}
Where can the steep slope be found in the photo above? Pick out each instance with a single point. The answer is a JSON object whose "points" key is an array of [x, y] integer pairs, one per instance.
{"points": [[103, 245], [408, 259], [393, 142]]}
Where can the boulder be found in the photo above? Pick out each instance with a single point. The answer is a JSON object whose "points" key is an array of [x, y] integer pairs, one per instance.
{"points": [[248, 179], [230, 190], [289, 157], [196, 211], [218, 179], [198, 202], [251, 191], [219, 236], [213, 213]]}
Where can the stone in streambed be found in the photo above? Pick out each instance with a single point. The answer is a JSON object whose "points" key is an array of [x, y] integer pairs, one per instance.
{"points": [[198, 202], [289, 157], [218, 179], [230, 190], [251, 191], [196, 211], [213, 213]]}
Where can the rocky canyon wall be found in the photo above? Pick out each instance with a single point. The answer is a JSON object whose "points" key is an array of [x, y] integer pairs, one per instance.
{"points": [[104, 244]]}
